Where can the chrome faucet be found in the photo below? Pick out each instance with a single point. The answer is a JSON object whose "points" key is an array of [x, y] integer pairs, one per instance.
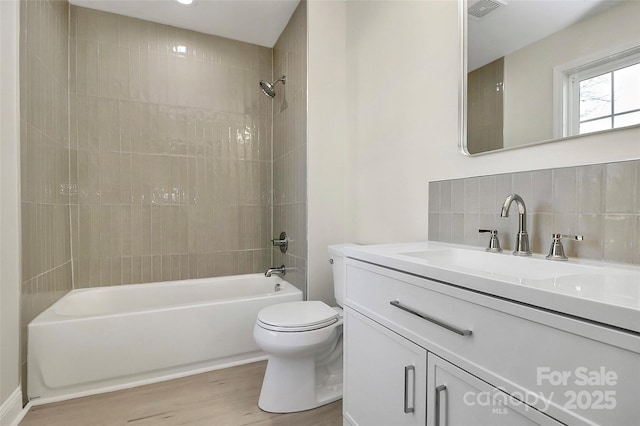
{"points": [[278, 271], [522, 238]]}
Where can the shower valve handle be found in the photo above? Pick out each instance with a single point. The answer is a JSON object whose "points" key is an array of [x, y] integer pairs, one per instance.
{"points": [[282, 242]]}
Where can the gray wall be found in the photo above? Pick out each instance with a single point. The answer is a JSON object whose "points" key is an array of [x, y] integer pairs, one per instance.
{"points": [[44, 158], [290, 146], [170, 152]]}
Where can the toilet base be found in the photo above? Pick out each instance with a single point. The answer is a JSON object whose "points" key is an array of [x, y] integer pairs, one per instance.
{"points": [[292, 385]]}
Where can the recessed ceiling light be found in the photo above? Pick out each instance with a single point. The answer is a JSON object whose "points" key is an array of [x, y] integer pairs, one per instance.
{"points": [[185, 2]]}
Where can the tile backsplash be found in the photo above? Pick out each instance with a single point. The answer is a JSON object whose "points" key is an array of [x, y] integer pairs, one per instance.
{"points": [[600, 202]]}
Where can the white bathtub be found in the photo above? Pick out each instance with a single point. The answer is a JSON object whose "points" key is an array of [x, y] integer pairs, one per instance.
{"points": [[108, 338]]}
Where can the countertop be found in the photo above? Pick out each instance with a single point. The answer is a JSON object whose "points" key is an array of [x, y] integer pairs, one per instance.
{"points": [[606, 293]]}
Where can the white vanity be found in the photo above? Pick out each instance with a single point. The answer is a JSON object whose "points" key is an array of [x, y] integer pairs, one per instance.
{"points": [[439, 334]]}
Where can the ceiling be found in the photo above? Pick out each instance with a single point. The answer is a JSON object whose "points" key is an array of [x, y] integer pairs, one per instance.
{"points": [[522, 22], [505, 30], [253, 21]]}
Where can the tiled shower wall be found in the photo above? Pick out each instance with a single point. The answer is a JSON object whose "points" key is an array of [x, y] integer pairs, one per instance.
{"points": [[44, 159], [170, 152], [600, 202], [290, 146]]}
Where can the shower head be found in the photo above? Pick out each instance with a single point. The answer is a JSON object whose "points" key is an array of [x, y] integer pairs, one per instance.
{"points": [[268, 88]]}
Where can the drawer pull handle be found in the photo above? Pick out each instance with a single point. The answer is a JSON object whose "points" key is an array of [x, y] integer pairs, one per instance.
{"points": [[443, 324], [407, 369], [439, 390]]}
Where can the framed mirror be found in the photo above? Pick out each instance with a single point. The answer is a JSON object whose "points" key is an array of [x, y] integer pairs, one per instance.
{"points": [[538, 71]]}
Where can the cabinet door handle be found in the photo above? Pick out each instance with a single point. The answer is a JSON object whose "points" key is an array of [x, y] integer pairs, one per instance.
{"points": [[439, 390], [407, 369], [443, 324]]}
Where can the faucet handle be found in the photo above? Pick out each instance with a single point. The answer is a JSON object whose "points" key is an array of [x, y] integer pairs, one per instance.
{"points": [[556, 251], [568, 237], [282, 242], [494, 243]]}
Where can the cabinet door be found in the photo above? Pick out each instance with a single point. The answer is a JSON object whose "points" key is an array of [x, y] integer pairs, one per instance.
{"points": [[457, 398], [385, 375]]}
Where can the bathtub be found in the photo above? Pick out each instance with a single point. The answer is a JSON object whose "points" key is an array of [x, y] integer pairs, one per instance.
{"points": [[108, 338]]}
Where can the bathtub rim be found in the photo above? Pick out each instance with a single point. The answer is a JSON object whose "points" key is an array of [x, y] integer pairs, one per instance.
{"points": [[50, 315]]}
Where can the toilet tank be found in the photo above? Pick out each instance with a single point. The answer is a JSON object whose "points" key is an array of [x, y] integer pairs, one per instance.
{"points": [[336, 256]]}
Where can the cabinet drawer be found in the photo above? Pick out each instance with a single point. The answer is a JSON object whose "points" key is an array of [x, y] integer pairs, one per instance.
{"points": [[544, 366]]}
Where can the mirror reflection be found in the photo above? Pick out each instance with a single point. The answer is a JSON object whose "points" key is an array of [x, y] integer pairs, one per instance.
{"points": [[544, 70]]}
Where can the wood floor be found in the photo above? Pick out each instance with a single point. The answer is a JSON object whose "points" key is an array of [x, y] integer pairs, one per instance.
{"points": [[225, 397]]}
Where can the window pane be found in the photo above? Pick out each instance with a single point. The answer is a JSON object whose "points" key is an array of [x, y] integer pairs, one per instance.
{"points": [[595, 97], [627, 89], [595, 125], [626, 119]]}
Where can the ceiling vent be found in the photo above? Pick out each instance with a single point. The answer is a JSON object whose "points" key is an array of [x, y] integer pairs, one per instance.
{"points": [[482, 8]]}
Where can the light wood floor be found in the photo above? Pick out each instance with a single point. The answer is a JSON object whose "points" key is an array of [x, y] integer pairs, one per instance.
{"points": [[225, 397]]}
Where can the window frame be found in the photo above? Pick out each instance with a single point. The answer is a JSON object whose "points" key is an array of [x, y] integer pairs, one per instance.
{"points": [[566, 78]]}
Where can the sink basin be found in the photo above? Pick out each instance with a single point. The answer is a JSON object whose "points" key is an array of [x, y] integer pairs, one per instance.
{"points": [[601, 283], [501, 265]]}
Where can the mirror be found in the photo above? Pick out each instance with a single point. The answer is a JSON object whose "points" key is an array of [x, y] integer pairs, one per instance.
{"points": [[537, 71]]}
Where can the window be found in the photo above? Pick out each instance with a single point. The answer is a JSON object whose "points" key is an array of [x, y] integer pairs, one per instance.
{"points": [[598, 94], [607, 100]]}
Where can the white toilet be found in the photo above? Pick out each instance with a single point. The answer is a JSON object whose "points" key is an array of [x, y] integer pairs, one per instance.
{"points": [[304, 344]]}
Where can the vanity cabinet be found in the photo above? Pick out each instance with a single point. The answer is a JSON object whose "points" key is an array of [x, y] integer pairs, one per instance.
{"points": [[385, 383], [457, 398], [482, 360]]}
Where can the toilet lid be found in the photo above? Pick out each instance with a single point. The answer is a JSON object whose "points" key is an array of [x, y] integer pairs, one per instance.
{"points": [[297, 315]]}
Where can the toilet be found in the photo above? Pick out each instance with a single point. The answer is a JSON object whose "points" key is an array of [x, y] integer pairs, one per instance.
{"points": [[304, 344]]}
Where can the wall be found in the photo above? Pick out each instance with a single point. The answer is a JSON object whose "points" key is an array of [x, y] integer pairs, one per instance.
{"points": [[10, 396], [526, 94], [402, 74], [290, 146], [327, 143], [170, 152], [600, 202], [402, 91], [44, 158]]}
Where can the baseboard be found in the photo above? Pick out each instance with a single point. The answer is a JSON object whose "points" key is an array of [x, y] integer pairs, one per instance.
{"points": [[11, 411], [23, 412]]}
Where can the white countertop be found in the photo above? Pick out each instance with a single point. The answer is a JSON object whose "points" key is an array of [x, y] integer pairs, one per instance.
{"points": [[604, 292]]}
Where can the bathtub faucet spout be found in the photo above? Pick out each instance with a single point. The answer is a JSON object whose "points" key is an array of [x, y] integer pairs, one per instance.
{"points": [[278, 271]]}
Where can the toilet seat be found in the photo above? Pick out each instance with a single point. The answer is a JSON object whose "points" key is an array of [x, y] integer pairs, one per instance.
{"points": [[297, 316]]}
